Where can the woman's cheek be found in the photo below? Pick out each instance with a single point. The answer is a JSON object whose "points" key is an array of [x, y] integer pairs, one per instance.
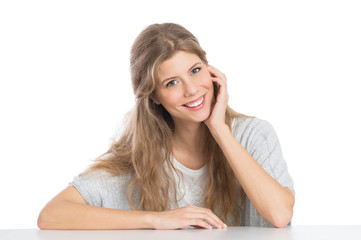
{"points": [[173, 98], [207, 80]]}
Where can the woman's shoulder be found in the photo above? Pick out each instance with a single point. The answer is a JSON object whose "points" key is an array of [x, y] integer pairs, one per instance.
{"points": [[101, 177], [101, 188], [246, 127], [260, 140]]}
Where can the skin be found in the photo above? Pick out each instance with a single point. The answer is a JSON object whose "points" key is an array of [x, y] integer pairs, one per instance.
{"points": [[183, 79], [273, 201]]}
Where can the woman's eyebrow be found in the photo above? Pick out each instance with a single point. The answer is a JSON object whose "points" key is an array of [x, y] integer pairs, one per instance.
{"points": [[188, 71]]}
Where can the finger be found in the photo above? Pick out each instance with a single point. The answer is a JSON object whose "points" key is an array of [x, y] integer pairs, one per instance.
{"points": [[219, 79], [209, 218], [208, 215], [218, 75], [199, 223], [221, 84], [216, 72]]}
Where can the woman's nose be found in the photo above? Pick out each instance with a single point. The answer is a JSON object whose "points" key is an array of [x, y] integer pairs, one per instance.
{"points": [[190, 88]]}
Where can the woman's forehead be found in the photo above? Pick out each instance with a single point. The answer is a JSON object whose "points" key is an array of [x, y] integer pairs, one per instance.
{"points": [[180, 62]]}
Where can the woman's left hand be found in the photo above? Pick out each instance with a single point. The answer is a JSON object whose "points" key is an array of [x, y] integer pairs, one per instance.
{"points": [[218, 113]]}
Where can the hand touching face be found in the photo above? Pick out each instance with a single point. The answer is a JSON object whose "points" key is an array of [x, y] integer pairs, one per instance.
{"points": [[218, 113], [185, 88]]}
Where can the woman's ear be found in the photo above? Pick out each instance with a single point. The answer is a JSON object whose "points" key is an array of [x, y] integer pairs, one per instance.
{"points": [[154, 98]]}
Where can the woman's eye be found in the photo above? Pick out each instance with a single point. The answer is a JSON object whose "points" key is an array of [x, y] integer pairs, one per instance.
{"points": [[194, 71], [171, 83]]}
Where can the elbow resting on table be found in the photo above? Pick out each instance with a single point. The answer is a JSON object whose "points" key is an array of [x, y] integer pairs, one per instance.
{"points": [[282, 221], [41, 222], [45, 221], [281, 218]]}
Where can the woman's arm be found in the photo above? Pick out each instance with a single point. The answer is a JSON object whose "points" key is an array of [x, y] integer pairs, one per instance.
{"points": [[272, 201], [68, 210]]}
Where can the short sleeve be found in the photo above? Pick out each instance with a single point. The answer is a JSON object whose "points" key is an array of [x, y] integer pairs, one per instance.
{"points": [[269, 155], [260, 140], [102, 189], [92, 186]]}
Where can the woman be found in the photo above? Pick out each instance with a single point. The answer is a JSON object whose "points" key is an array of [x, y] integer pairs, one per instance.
{"points": [[185, 158]]}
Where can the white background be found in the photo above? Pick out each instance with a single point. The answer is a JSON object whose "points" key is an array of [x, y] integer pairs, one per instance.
{"points": [[65, 86]]}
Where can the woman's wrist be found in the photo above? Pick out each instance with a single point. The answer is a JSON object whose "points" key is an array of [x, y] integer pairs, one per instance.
{"points": [[150, 219], [218, 131], [136, 219]]}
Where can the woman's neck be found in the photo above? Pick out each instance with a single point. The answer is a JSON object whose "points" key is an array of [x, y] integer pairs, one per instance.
{"points": [[188, 144], [190, 136]]}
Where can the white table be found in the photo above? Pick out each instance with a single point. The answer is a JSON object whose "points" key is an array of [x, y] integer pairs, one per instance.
{"points": [[244, 233]]}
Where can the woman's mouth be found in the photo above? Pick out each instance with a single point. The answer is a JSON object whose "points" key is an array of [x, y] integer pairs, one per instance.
{"points": [[196, 104]]}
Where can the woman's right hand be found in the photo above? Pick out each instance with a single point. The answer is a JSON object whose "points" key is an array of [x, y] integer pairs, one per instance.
{"points": [[187, 216]]}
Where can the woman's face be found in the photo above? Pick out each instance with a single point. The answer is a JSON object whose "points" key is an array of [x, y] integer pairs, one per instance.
{"points": [[185, 88]]}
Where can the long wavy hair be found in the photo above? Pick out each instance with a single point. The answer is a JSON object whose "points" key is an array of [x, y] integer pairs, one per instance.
{"points": [[144, 149]]}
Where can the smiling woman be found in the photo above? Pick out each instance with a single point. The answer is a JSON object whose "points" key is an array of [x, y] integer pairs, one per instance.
{"points": [[187, 95], [185, 157]]}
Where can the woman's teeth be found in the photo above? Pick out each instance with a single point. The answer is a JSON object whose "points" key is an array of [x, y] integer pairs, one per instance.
{"points": [[196, 103]]}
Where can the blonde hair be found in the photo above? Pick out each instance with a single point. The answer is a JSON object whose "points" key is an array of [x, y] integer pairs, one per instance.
{"points": [[145, 147]]}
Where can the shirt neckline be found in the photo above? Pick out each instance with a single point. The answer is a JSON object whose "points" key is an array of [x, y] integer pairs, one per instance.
{"points": [[183, 168]]}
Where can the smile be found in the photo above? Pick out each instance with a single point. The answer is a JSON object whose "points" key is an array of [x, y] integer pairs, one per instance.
{"points": [[196, 104]]}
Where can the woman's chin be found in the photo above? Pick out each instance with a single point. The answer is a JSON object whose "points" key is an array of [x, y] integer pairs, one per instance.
{"points": [[202, 118]]}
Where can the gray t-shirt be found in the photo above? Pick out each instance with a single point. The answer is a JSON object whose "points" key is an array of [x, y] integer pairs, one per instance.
{"points": [[257, 136]]}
